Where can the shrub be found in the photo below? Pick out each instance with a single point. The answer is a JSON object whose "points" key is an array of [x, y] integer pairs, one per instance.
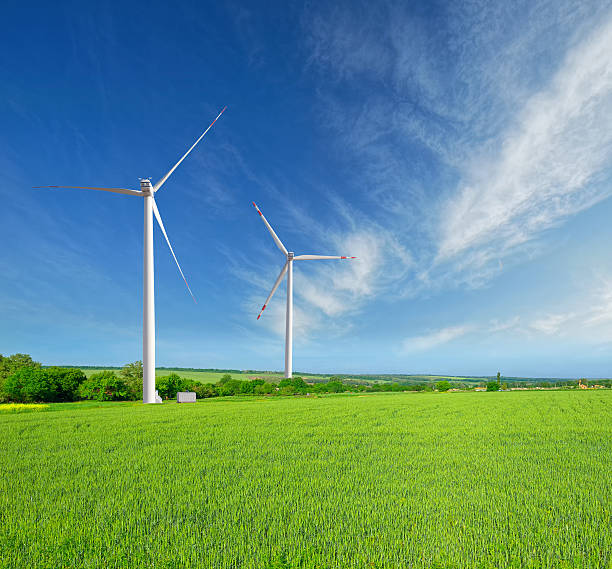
{"points": [[248, 387], [297, 384], [335, 387], [265, 388], [132, 375], [205, 390], [11, 364], [229, 387], [67, 382], [30, 385], [169, 385], [104, 386]]}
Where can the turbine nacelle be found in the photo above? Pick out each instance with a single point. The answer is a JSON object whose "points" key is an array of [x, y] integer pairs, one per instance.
{"points": [[145, 187]]}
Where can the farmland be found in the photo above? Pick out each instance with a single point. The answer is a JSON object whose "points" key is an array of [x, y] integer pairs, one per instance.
{"points": [[516, 479], [213, 376], [208, 376], [196, 375]]}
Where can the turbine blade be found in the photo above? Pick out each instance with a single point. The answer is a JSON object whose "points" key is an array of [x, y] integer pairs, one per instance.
{"points": [[162, 181], [278, 242], [278, 281], [161, 224], [314, 257], [113, 190]]}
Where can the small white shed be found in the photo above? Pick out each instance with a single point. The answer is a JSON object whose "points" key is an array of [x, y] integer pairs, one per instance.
{"points": [[185, 397]]}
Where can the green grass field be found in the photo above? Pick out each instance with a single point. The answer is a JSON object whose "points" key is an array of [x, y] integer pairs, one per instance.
{"points": [[459, 480], [214, 376], [202, 376], [205, 376]]}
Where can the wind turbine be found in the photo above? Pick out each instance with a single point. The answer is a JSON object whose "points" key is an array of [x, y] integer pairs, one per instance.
{"points": [[288, 269], [147, 191]]}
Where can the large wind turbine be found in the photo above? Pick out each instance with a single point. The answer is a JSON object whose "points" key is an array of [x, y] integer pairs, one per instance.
{"points": [[147, 191], [288, 269]]}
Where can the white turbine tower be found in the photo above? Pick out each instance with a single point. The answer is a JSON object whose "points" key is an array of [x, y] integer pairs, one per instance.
{"points": [[147, 191], [288, 269]]}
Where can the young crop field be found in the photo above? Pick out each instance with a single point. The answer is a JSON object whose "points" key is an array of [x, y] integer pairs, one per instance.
{"points": [[215, 376], [207, 376], [201, 376], [455, 480]]}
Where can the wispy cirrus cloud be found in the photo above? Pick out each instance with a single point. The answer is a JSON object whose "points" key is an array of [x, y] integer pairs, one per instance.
{"points": [[466, 138], [551, 324], [552, 163], [325, 289], [435, 338], [473, 133], [589, 319], [502, 326]]}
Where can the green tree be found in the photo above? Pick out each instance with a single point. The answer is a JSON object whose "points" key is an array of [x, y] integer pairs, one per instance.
{"points": [[204, 390], [498, 380], [66, 382], [335, 387], [30, 385], [230, 387], [296, 383], [225, 378], [104, 386], [10, 364], [248, 387], [169, 385], [132, 375], [443, 386], [492, 386], [265, 388], [299, 385]]}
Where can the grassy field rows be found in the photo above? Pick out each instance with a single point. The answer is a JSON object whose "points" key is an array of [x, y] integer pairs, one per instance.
{"points": [[207, 376], [215, 376], [202, 376], [459, 480]]}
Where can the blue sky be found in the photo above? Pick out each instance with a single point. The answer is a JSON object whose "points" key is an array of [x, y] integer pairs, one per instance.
{"points": [[462, 151]]}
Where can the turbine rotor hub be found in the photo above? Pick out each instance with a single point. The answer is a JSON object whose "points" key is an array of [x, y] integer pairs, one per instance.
{"points": [[290, 255], [145, 186]]}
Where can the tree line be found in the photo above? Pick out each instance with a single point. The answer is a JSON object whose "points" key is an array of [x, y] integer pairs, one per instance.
{"points": [[22, 380]]}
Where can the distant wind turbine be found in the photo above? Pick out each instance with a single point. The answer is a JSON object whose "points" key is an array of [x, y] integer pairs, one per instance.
{"points": [[288, 269], [147, 191]]}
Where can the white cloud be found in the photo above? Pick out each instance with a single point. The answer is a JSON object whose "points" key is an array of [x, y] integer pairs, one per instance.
{"points": [[511, 324], [551, 324], [550, 165], [473, 140], [326, 292], [588, 322], [600, 312], [435, 338]]}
